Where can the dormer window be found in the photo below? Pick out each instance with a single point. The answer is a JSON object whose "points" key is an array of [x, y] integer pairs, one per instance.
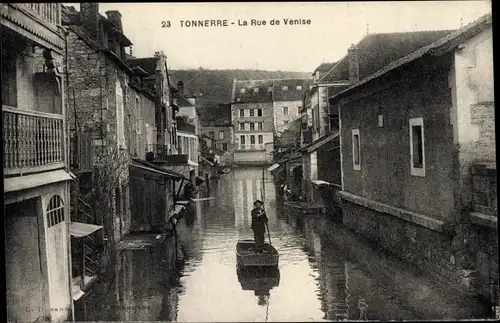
{"points": [[285, 88], [242, 91]]}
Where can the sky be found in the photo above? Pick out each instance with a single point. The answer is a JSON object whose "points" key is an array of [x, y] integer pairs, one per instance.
{"points": [[333, 27]]}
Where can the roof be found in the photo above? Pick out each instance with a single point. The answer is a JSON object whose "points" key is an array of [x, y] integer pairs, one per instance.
{"points": [[323, 67], [378, 50], [258, 91], [262, 94], [312, 146], [292, 93], [439, 47], [219, 115], [136, 162], [148, 64], [69, 15], [182, 102]]}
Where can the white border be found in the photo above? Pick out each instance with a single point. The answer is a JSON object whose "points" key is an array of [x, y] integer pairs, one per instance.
{"points": [[417, 171], [356, 166]]}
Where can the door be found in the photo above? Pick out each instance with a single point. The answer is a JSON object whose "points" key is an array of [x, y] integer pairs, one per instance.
{"points": [[25, 275], [57, 259]]}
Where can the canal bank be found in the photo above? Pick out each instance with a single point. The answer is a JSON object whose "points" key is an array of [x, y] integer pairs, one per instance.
{"points": [[326, 272]]}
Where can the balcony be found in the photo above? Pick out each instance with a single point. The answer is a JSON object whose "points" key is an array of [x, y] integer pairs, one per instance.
{"points": [[36, 21], [33, 141], [49, 12]]}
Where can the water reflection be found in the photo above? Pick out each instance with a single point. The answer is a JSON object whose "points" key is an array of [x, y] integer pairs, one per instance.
{"points": [[326, 272]]}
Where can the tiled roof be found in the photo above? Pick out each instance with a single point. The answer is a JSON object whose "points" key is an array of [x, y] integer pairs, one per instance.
{"points": [[323, 67], [148, 64], [219, 115], [292, 92], [258, 91], [378, 50], [442, 45], [182, 102], [245, 91]]}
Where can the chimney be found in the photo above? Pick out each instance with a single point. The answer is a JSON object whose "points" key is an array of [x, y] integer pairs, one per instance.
{"points": [[89, 18], [352, 54], [180, 87], [115, 17]]}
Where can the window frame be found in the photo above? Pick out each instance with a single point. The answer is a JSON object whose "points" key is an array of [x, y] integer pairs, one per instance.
{"points": [[252, 126], [285, 111], [259, 112], [252, 113], [417, 122], [260, 139], [260, 125], [221, 135], [242, 126], [242, 113], [356, 166]]}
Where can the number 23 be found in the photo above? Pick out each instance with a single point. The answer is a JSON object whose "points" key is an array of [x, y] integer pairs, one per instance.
{"points": [[165, 24]]}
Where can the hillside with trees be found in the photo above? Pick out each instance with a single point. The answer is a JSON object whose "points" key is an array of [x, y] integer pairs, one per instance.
{"points": [[215, 86]]}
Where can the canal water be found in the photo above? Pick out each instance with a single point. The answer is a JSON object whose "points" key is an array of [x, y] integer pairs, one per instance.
{"points": [[326, 272]]}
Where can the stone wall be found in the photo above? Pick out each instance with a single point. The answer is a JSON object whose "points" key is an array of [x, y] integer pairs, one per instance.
{"points": [[91, 103]]}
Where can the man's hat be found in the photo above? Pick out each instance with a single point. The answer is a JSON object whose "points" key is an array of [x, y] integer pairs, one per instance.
{"points": [[258, 201]]}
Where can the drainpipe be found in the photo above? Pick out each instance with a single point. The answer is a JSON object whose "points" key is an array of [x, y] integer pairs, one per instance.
{"points": [[67, 211]]}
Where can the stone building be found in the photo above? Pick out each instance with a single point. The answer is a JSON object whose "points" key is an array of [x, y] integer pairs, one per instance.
{"points": [[321, 156], [118, 112], [287, 102], [216, 123], [252, 116], [35, 163], [418, 159]]}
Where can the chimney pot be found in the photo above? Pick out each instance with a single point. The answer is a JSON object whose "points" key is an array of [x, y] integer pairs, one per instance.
{"points": [[353, 57], [115, 17], [89, 18], [180, 87]]}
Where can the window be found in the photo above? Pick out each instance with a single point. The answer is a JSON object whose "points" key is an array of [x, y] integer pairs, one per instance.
{"points": [[242, 91], [224, 147], [260, 125], [55, 211], [417, 148], [247, 112], [211, 134], [138, 111], [356, 150], [242, 140], [221, 135], [252, 139], [120, 117], [270, 89], [242, 113], [252, 112], [285, 88], [247, 126], [242, 126], [259, 112], [252, 126], [299, 87], [285, 110], [256, 90], [261, 139]]}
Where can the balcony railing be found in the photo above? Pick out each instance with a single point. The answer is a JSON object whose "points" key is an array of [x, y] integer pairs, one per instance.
{"points": [[50, 12], [33, 141]]}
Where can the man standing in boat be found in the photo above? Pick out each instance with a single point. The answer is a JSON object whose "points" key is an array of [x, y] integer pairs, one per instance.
{"points": [[259, 221]]}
